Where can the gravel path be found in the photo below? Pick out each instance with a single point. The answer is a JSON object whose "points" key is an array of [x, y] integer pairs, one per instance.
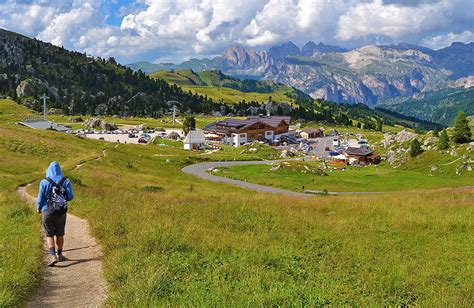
{"points": [[200, 170], [77, 282]]}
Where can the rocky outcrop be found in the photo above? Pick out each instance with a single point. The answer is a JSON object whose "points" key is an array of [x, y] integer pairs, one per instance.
{"points": [[31, 87], [96, 123], [405, 136]]}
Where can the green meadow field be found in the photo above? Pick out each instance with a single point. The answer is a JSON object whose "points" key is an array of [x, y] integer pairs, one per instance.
{"points": [[173, 239], [416, 174]]}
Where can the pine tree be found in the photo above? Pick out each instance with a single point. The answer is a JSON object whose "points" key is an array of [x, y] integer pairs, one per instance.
{"points": [[189, 124], [443, 140], [415, 148], [462, 132]]}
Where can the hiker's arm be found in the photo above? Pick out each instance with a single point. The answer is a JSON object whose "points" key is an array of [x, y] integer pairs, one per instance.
{"points": [[69, 194], [41, 197]]}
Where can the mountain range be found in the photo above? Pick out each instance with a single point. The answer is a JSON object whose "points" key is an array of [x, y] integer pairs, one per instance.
{"points": [[79, 84], [369, 74]]}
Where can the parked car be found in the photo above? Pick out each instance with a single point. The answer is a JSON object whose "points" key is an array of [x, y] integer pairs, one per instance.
{"points": [[132, 135], [143, 140], [327, 149]]}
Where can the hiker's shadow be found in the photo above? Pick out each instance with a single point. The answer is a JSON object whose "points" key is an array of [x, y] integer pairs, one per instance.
{"points": [[72, 262]]}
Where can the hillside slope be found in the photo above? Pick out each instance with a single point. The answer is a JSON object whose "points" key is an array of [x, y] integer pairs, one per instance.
{"points": [[438, 106], [78, 84], [224, 88]]}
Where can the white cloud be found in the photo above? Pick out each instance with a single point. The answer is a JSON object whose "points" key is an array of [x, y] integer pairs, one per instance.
{"points": [[391, 20], [441, 41], [180, 28], [65, 26]]}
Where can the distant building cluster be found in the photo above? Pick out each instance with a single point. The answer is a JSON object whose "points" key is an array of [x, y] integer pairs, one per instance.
{"points": [[236, 132]]}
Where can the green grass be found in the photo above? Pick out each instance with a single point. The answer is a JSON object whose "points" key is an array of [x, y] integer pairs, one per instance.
{"points": [[24, 156], [172, 239], [231, 96], [208, 83], [417, 175]]}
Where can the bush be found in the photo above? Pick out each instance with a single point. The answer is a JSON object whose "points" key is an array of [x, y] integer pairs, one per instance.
{"points": [[415, 148], [152, 188]]}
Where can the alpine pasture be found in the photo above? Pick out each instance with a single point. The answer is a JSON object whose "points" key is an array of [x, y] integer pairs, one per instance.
{"points": [[187, 241]]}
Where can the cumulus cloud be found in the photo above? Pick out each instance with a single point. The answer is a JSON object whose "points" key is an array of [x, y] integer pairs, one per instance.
{"points": [[391, 20], [167, 29], [441, 41]]}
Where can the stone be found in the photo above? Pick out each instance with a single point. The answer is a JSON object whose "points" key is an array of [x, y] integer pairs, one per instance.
{"points": [[95, 123], [404, 136], [55, 111], [31, 87]]}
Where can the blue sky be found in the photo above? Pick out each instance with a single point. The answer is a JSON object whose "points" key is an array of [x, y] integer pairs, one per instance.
{"points": [[172, 31]]}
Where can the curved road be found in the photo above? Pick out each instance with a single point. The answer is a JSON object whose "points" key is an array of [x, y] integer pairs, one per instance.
{"points": [[200, 170]]}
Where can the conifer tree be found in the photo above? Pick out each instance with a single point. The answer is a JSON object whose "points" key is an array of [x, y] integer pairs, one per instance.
{"points": [[443, 140], [415, 148], [462, 131]]}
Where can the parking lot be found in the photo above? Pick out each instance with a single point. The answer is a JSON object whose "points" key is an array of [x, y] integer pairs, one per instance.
{"points": [[123, 137]]}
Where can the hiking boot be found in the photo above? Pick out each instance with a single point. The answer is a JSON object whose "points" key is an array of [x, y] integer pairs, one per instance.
{"points": [[62, 258], [52, 260]]}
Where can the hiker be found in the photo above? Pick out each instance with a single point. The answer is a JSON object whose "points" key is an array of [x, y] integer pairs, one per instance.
{"points": [[54, 192]]}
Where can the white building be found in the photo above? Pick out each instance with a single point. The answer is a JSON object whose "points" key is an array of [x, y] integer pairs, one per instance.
{"points": [[194, 140]]}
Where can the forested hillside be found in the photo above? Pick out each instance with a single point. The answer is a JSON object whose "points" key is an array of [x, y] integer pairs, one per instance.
{"points": [[78, 84], [437, 106]]}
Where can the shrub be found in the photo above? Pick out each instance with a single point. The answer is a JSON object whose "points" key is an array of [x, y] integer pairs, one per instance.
{"points": [[152, 188], [415, 148]]}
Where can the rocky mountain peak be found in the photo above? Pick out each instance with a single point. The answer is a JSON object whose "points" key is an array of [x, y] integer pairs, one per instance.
{"points": [[284, 50]]}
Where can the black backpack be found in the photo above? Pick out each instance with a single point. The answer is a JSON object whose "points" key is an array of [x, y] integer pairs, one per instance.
{"points": [[57, 199]]}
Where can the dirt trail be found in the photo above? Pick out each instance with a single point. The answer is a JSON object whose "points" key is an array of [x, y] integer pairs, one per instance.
{"points": [[77, 282]]}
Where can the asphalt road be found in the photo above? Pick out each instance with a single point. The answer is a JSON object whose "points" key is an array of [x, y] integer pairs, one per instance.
{"points": [[322, 143], [200, 170]]}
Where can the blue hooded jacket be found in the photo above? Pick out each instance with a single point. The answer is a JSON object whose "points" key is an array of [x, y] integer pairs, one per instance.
{"points": [[45, 188]]}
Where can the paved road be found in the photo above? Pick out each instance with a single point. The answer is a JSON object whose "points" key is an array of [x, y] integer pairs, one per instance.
{"points": [[322, 143], [200, 170]]}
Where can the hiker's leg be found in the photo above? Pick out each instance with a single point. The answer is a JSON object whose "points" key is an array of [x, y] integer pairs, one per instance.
{"points": [[50, 242], [60, 242]]}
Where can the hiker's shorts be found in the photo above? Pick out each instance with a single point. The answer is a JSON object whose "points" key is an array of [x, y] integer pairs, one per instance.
{"points": [[53, 224]]}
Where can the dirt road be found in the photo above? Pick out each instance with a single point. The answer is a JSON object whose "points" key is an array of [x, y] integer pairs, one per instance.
{"points": [[77, 282]]}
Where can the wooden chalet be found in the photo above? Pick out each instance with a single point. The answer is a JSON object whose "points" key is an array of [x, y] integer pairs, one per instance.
{"points": [[362, 155], [255, 128], [310, 133]]}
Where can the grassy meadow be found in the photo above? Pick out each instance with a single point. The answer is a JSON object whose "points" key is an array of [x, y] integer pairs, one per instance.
{"points": [[232, 96], [172, 239], [416, 174]]}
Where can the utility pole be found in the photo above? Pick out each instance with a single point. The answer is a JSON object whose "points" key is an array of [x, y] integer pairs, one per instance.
{"points": [[43, 97], [174, 114]]}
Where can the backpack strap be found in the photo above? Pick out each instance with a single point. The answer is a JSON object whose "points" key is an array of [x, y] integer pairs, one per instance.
{"points": [[61, 183], [52, 182]]}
